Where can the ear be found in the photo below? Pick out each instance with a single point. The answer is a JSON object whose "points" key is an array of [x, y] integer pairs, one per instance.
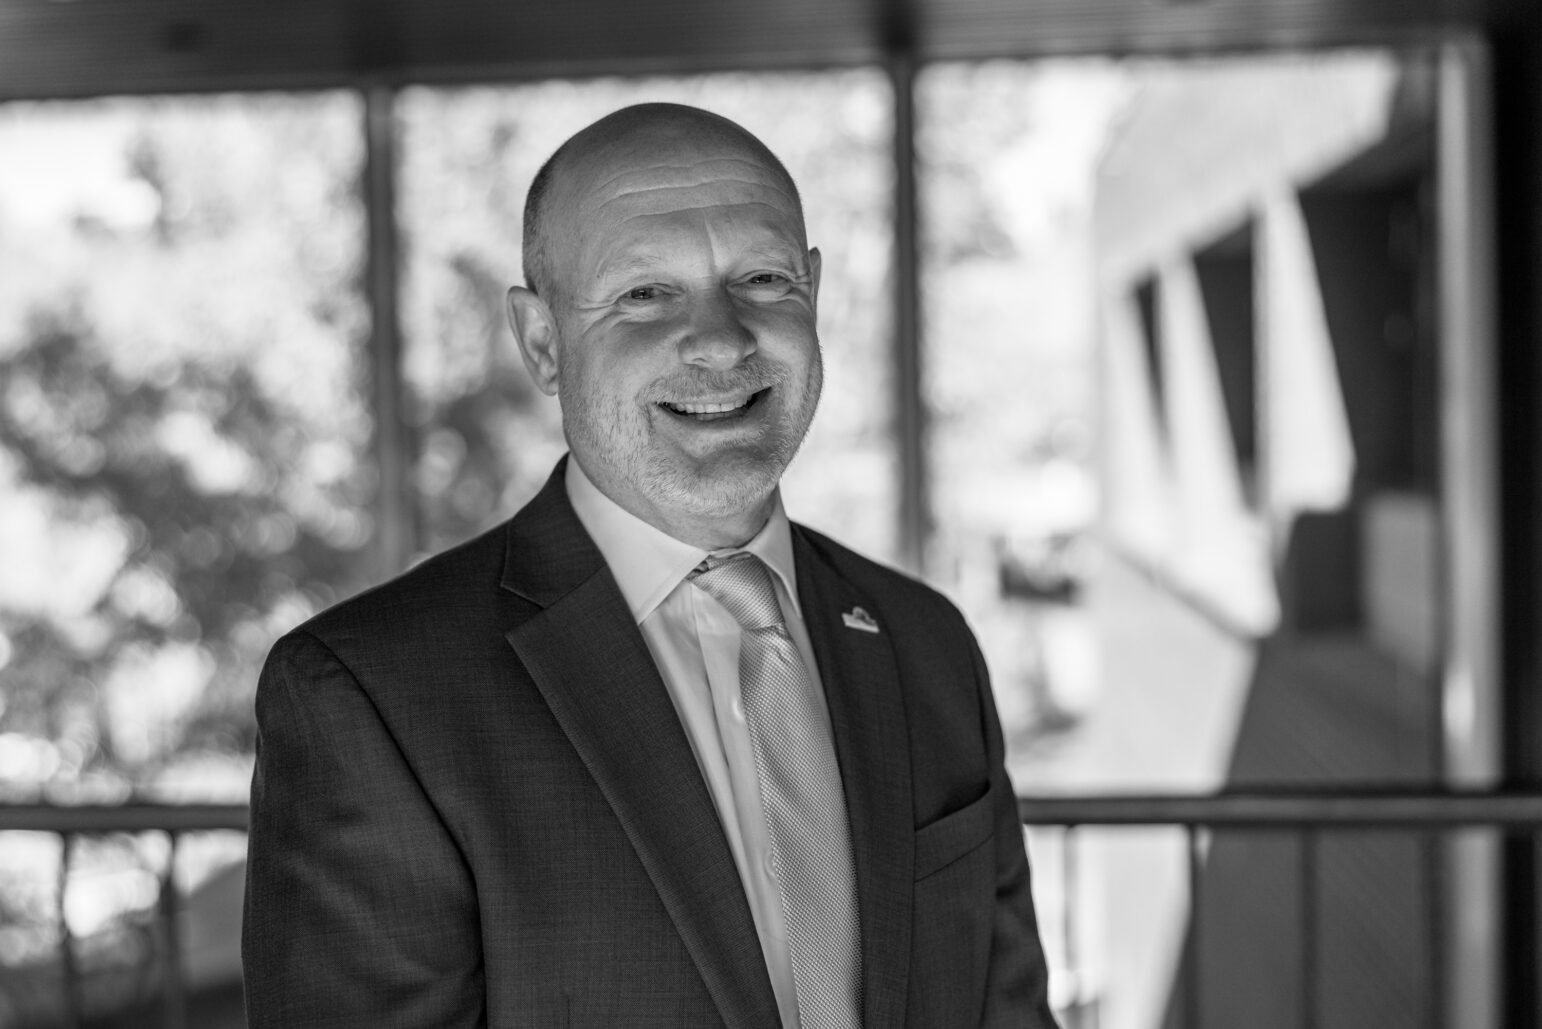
{"points": [[814, 264], [535, 330]]}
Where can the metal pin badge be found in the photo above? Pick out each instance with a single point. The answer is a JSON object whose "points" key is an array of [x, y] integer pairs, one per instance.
{"points": [[859, 619]]}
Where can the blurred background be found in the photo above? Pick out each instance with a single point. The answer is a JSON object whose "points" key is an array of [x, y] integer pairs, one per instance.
{"points": [[1188, 346]]}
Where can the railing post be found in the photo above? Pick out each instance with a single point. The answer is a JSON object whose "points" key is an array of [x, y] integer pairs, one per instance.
{"points": [[69, 971], [1192, 981], [1309, 983], [174, 991], [1068, 880], [1436, 896]]}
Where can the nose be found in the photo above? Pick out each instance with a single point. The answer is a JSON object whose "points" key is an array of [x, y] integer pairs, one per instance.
{"points": [[715, 335]]}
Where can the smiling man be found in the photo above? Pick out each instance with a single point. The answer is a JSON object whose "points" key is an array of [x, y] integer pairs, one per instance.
{"points": [[648, 754]]}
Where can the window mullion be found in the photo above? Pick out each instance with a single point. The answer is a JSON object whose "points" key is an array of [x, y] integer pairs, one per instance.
{"points": [[909, 411], [394, 540]]}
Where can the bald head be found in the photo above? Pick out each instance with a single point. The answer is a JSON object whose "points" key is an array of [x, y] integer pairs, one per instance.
{"points": [[594, 154]]}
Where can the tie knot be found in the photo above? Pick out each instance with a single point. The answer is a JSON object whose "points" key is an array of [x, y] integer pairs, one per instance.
{"points": [[742, 584]]}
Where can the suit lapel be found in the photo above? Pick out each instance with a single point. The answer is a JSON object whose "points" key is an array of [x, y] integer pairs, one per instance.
{"points": [[872, 743], [588, 658]]}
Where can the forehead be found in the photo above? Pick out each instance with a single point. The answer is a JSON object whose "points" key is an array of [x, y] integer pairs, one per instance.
{"points": [[633, 198], [666, 185]]}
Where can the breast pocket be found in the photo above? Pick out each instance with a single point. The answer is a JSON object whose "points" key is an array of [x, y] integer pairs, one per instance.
{"points": [[952, 920], [956, 834]]}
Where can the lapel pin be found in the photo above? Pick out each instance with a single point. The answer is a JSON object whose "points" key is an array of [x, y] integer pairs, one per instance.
{"points": [[859, 619]]}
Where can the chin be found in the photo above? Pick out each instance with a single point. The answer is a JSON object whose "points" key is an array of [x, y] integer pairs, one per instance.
{"points": [[716, 492]]}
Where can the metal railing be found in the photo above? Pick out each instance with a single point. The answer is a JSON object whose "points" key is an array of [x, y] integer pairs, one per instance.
{"points": [[1305, 813], [1309, 815], [71, 822]]}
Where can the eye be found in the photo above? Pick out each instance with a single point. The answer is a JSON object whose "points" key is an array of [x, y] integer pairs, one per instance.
{"points": [[642, 293], [766, 286]]}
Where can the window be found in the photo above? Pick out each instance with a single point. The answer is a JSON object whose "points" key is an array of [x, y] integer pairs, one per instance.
{"points": [[1189, 466]]}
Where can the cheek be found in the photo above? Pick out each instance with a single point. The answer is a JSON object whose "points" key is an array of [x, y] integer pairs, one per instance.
{"points": [[609, 384], [789, 334], [607, 360]]}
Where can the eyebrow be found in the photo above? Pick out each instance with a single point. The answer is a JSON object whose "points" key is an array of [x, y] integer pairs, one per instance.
{"points": [[628, 266], [643, 263], [779, 251]]}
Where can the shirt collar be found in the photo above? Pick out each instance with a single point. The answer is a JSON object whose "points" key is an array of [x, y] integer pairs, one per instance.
{"points": [[648, 563]]}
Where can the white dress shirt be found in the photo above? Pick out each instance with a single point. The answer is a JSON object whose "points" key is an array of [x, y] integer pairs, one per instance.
{"points": [[695, 644]]}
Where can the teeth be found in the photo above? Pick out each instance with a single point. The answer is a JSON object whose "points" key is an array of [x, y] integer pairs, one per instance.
{"points": [[706, 408]]}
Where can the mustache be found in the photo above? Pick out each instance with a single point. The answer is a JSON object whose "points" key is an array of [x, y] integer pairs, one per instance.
{"points": [[747, 378]]}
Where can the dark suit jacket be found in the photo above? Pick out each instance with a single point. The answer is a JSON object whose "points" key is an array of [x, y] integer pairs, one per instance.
{"points": [[474, 804]]}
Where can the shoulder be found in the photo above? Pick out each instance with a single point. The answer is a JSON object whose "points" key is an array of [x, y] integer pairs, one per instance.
{"points": [[408, 642], [441, 591]]}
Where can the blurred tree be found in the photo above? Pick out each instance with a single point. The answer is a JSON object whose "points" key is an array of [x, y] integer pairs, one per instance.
{"points": [[182, 435]]}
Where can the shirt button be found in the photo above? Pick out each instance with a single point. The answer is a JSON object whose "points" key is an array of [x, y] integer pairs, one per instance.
{"points": [[768, 860], [738, 708]]}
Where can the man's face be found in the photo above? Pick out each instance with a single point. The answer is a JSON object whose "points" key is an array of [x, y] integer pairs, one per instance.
{"points": [[687, 361]]}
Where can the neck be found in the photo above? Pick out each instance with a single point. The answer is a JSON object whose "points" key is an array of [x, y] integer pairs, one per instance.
{"points": [[720, 529], [712, 532]]}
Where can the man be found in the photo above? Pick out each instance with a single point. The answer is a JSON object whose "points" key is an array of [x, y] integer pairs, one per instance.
{"points": [[648, 754]]}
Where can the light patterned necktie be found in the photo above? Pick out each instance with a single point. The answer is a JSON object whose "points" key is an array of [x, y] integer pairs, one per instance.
{"points": [[801, 796]]}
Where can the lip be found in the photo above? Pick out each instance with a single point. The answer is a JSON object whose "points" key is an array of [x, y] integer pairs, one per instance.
{"points": [[709, 409], [710, 406]]}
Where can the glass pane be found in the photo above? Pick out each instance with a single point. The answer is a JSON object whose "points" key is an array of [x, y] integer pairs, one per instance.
{"points": [[184, 475], [183, 428], [1221, 273], [488, 438], [1008, 155], [1182, 346]]}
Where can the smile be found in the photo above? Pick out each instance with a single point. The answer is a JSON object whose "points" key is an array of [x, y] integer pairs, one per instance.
{"points": [[714, 411]]}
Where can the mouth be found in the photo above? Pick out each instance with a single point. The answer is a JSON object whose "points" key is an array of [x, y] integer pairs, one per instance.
{"points": [[714, 411]]}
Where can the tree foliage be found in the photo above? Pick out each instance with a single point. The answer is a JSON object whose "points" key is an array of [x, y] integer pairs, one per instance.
{"points": [[181, 433]]}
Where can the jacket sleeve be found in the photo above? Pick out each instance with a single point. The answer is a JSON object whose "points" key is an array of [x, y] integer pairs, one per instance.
{"points": [[1017, 983], [360, 909]]}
